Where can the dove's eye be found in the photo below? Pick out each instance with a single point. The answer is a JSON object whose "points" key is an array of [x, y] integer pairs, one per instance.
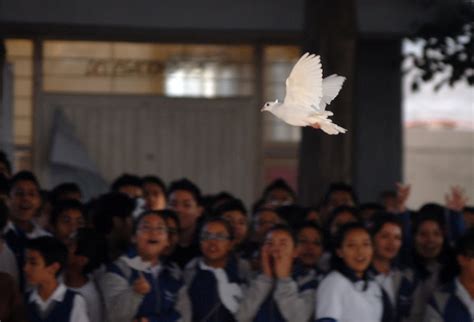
{"points": [[267, 104]]}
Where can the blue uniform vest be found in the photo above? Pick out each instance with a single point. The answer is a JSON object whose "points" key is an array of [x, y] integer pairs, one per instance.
{"points": [[61, 311], [449, 306], [206, 304], [158, 304]]}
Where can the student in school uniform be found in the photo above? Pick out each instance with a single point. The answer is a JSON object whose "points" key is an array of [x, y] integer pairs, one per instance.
{"points": [[128, 184], [214, 280], [154, 193], [281, 292], [67, 216], [309, 248], [263, 219], [61, 192], [398, 283], [112, 217], [277, 194], [185, 198], [454, 302], [235, 212], [335, 219], [25, 202], [8, 262], [347, 294], [50, 301], [139, 285], [173, 226], [431, 252], [87, 251]]}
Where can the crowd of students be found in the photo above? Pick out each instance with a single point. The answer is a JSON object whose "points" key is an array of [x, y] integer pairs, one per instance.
{"points": [[148, 252]]}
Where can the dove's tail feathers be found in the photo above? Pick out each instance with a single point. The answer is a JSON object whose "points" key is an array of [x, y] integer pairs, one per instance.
{"points": [[331, 87], [331, 128]]}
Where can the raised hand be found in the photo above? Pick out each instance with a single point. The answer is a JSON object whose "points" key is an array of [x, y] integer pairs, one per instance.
{"points": [[456, 199], [283, 261], [141, 285]]}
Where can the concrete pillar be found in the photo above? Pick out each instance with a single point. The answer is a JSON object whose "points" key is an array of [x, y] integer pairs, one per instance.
{"points": [[377, 144], [369, 106], [330, 31]]}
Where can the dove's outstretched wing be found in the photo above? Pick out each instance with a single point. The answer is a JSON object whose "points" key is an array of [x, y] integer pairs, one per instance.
{"points": [[331, 87], [304, 86]]}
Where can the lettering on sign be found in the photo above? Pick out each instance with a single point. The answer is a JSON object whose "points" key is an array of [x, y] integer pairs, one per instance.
{"points": [[123, 67]]}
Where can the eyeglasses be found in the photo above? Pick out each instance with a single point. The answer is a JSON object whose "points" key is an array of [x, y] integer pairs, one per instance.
{"points": [[149, 229], [210, 236]]}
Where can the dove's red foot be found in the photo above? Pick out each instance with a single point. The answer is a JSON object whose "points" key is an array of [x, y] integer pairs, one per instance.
{"points": [[316, 126]]}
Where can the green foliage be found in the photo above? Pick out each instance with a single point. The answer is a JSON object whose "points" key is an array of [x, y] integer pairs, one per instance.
{"points": [[448, 48]]}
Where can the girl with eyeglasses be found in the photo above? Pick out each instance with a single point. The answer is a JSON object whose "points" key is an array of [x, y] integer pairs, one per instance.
{"points": [[139, 286], [214, 280]]}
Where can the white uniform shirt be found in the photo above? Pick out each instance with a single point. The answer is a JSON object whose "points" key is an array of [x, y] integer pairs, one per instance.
{"points": [[79, 309], [386, 282], [340, 299], [8, 261], [464, 296], [93, 301]]}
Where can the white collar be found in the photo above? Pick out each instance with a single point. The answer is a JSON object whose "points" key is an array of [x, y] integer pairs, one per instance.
{"points": [[155, 270], [464, 296], [9, 226], [229, 293], [36, 232], [58, 296], [206, 267]]}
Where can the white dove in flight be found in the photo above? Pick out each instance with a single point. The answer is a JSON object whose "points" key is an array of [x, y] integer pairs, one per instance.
{"points": [[307, 95]]}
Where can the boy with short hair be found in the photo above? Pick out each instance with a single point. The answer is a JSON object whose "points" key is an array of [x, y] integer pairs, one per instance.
{"points": [[50, 301], [66, 218], [185, 198], [129, 184], [25, 201], [87, 251], [112, 217], [154, 193], [7, 258]]}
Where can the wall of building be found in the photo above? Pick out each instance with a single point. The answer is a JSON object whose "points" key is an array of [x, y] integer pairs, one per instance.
{"points": [[435, 160]]}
